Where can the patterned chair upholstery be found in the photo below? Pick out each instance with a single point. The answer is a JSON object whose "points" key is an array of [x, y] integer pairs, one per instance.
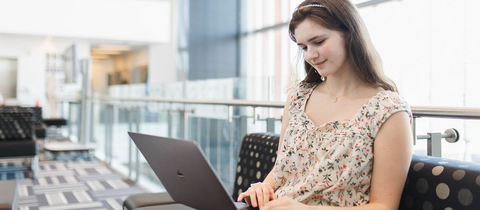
{"points": [[437, 183], [17, 137], [257, 157], [40, 127]]}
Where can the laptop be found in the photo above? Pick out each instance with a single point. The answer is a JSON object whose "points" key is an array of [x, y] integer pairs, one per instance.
{"points": [[185, 172]]}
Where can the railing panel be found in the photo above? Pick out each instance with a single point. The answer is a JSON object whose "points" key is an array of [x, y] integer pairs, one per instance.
{"points": [[218, 126]]}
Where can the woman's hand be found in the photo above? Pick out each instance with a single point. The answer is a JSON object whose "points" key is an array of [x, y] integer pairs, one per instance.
{"points": [[287, 204], [258, 195]]}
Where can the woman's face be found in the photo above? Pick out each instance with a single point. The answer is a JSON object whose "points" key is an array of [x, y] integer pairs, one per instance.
{"points": [[323, 48]]}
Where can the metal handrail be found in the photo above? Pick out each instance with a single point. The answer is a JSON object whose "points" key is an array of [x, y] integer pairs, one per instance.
{"points": [[134, 104], [448, 112], [418, 111], [233, 102]]}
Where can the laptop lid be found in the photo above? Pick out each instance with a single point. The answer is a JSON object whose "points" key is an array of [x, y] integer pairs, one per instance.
{"points": [[184, 172]]}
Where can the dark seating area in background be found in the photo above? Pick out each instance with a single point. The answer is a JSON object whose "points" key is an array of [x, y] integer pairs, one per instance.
{"points": [[432, 182], [17, 135]]}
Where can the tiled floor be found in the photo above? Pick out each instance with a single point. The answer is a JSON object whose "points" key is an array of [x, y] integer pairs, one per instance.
{"points": [[68, 184]]}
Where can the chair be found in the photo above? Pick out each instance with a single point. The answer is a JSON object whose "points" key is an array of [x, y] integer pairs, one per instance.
{"points": [[17, 136], [256, 159], [440, 183], [432, 182], [40, 126]]}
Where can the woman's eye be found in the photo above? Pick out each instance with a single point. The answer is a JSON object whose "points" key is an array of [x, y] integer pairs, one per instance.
{"points": [[319, 43], [304, 48]]}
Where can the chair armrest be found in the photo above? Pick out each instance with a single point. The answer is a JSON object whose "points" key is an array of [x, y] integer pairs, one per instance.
{"points": [[55, 122], [147, 199], [175, 206]]}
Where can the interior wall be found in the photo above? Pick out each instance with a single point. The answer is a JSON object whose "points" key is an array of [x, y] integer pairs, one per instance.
{"points": [[30, 52], [100, 71], [125, 20], [161, 67], [8, 73]]}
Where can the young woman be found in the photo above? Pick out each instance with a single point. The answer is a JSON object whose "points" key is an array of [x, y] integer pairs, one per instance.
{"points": [[346, 137]]}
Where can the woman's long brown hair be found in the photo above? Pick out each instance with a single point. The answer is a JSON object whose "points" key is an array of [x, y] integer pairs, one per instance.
{"points": [[342, 16]]}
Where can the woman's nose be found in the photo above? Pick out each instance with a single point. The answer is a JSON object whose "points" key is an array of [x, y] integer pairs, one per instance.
{"points": [[311, 55]]}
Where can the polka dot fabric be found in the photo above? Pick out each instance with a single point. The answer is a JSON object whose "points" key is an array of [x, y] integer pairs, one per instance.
{"points": [[436, 183], [256, 159]]}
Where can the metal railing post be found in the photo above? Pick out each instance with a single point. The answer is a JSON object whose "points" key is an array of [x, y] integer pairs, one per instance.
{"points": [[232, 156], [69, 123], [271, 125], [108, 133], [185, 121], [92, 120], [199, 128], [130, 128], [207, 147], [243, 126], [414, 130], [434, 144], [219, 144], [137, 154], [169, 120], [79, 123]]}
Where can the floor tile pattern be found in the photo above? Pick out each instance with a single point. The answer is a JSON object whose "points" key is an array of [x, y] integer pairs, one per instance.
{"points": [[68, 184]]}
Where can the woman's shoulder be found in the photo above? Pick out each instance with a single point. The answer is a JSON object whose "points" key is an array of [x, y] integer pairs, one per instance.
{"points": [[299, 93], [386, 103], [302, 86], [383, 105], [390, 98]]}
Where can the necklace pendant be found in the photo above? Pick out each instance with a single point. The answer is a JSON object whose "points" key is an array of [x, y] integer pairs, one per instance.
{"points": [[335, 100]]}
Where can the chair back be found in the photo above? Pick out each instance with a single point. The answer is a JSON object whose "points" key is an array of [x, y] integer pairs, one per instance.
{"points": [[16, 123], [256, 159], [440, 183]]}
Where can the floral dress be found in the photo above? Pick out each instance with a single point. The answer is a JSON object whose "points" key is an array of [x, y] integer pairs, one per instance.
{"points": [[331, 164]]}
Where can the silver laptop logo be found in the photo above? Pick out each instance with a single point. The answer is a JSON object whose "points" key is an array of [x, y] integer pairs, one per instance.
{"points": [[180, 174]]}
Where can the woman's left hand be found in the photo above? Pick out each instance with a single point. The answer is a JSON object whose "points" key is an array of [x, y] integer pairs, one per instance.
{"points": [[285, 203]]}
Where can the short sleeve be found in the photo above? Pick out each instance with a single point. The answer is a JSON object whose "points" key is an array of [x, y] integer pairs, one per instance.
{"points": [[383, 106], [299, 94]]}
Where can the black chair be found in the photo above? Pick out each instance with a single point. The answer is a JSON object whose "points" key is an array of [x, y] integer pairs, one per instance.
{"points": [[440, 183], [432, 182], [39, 124], [17, 136], [256, 159], [57, 122]]}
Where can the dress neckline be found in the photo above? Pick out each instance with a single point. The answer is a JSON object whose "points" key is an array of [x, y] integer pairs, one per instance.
{"points": [[323, 125]]}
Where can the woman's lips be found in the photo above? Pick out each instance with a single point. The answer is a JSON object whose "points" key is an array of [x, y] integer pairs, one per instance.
{"points": [[319, 63]]}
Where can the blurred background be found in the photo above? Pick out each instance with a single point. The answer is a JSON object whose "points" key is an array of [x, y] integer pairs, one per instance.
{"points": [[109, 66]]}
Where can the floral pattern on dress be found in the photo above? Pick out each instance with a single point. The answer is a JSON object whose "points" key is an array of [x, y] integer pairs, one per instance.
{"points": [[331, 164]]}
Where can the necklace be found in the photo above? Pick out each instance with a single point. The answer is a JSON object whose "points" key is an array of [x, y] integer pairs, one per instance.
{"points": [[335, 98]]}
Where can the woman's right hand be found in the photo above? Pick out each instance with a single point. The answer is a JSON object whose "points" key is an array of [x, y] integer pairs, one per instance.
{"points": [[258, 195]]}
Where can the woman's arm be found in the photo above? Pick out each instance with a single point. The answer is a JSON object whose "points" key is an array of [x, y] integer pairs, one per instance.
{"points": [[269, 179], [261, 193], [392, 157]]}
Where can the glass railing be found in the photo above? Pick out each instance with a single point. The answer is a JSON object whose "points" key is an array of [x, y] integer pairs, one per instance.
{"points": [[219, 125]]}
